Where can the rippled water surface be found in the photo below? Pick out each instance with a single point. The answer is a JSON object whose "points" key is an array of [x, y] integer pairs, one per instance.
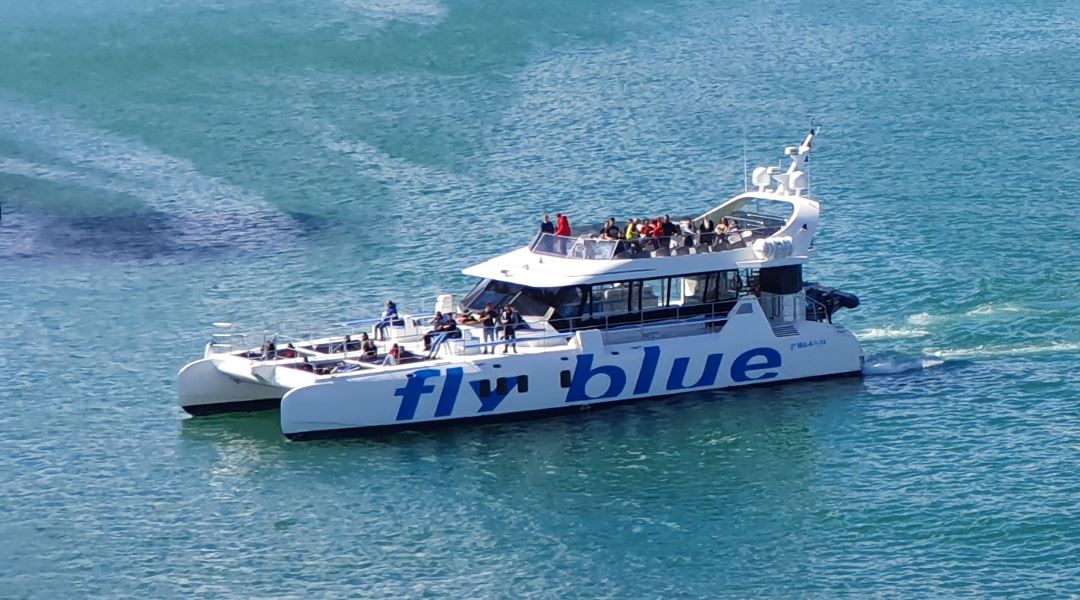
{"points": [[164, 165]]}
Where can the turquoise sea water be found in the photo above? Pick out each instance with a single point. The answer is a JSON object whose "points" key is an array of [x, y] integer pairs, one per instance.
{"points": [[164, 165]]}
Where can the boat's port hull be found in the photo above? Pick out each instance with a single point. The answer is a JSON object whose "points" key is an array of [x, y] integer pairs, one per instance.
{"points": [[586, 374], [507, 417], [204, 390]]}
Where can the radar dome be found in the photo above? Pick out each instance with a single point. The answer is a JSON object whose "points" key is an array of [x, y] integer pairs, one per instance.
{"points": [[761, 177]]}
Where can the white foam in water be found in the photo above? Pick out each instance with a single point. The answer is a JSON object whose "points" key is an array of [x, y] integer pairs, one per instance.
{"points": [[214, 211], [891, 333], [991, 309], [992, 352], [924, 318], [894, 365]]}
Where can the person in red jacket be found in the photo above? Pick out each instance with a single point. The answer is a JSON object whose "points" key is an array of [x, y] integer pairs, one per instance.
{"points": [[562, 231], [562, 225]]}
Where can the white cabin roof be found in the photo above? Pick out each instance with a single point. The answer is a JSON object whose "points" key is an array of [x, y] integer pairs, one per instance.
{"points": [[526, 267]]}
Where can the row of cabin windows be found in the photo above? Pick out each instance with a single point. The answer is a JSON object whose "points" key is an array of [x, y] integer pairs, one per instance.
{"points": [[650, 294]]}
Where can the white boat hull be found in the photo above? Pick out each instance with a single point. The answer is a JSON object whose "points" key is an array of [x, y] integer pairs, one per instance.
{"points": [[204, 389], [587, 374]]}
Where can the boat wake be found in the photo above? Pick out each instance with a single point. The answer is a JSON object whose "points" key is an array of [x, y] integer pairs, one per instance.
{"points": [[995, 352], [891, 333], [893, 365]]}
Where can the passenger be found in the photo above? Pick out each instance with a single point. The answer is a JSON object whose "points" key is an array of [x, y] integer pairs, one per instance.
{"points": [[547, 226], [287, 352], [688, 233], [392, 357], [706, 231], [631, 230], [670, 229], [655, 231], [613, 230], [488, 318], [368, 347], [734, 226], [511, 320], [722, 227], [389, 316], [268, 350], [562, 225], [466, 318], [562, 232], [440, 324]]}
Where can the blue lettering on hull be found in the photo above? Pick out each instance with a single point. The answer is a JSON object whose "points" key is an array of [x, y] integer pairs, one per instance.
{"points": [[756, 364]]}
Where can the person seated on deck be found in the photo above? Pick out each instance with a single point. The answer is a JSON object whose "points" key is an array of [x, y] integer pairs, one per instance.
{"points": [[722, 226], [288, 352], [734, 226], [268, 350], [466, 317], [389, 317], [392, 357], [305, 365], [368, 347], [440, 324]]}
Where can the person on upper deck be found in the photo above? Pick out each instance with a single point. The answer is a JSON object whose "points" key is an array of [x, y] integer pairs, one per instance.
{"points": [[734, 226], [547, 226], [562, 225], [632, 230], [670, 229], [706, 231], [612, 229]]}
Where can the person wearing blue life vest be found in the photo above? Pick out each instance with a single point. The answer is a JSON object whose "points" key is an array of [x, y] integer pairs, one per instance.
{"points": [[389, 316]]}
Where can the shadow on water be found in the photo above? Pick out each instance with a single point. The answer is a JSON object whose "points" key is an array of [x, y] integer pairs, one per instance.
{"points": [[262, 428], [652, 422]]}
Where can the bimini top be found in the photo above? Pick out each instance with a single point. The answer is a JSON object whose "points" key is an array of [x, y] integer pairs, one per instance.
{"points": [[772, 227]]}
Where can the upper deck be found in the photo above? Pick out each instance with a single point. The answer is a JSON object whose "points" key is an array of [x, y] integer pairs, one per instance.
{"points": [[776, 227]]}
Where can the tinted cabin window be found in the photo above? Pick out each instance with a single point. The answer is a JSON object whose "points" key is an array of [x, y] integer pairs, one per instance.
{"points": [[569, 302], [694, 289], [652, 293], [781, 280], [609, 298]]}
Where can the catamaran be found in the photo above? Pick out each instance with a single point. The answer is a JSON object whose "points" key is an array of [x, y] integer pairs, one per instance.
{"points": [[599, 321]]}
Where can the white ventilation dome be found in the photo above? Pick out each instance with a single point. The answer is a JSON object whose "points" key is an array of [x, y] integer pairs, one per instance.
{"points": [[760, 177], [797, 181]]}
